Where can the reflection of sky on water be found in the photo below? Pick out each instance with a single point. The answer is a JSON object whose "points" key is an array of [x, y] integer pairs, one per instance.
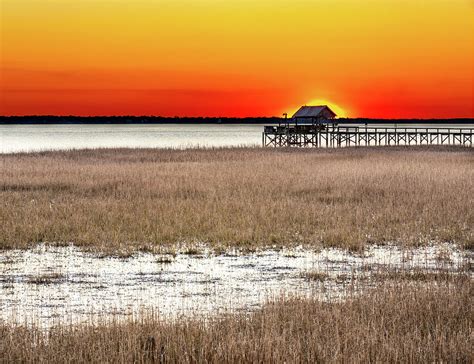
{"points": [[24, 138], [82, 286], [15, 138]]}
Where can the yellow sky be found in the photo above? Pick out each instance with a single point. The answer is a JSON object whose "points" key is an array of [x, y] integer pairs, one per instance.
{"points": [[350, 52]]}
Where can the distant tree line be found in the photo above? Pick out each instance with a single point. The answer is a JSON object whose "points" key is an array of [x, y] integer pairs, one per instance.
{"points": [[51, 119]]}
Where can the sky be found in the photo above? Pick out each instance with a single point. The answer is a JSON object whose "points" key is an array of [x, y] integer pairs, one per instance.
{"points": [[237, 58]]}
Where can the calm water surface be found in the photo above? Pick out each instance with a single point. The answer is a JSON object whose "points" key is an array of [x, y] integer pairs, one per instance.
{"points": [[29, 138], [47, 285]]}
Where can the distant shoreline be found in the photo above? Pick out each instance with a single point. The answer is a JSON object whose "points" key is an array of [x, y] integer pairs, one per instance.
{"points": [[150, 120]]}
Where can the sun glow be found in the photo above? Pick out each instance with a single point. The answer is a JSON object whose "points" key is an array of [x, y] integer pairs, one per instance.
{"points": [[340, 112]]}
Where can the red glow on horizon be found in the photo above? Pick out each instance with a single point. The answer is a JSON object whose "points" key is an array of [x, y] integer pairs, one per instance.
{"points": [[375, 59]]}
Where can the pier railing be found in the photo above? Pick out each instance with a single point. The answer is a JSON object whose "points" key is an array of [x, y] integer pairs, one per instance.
{"points": [[332, 136]]}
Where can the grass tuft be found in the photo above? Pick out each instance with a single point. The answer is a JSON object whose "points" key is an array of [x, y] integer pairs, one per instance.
{"points": [[47, 278]]}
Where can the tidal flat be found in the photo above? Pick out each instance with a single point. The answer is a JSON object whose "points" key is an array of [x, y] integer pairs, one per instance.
{"points": [[49, 285]]}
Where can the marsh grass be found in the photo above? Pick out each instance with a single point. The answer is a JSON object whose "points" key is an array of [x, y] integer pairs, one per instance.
{"points": [[164, 260], [314, 275], [396, 323], [420, 275], [122, 200], [393, 275], [46, 278]]}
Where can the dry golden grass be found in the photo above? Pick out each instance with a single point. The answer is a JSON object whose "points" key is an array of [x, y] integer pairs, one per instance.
{"points": [[122, 199], [401, 323]]}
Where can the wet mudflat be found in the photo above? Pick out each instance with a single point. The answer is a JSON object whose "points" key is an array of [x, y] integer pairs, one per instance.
{"points": [[48, 285]]}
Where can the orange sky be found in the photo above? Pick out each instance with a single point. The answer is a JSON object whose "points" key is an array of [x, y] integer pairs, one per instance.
{"points": [[369, 58]]}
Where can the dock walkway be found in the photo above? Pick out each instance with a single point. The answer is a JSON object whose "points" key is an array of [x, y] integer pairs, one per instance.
{"points": [[333, 136]]}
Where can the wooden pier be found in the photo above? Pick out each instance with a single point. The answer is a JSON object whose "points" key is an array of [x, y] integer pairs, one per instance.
{"points": [[333, 136]]}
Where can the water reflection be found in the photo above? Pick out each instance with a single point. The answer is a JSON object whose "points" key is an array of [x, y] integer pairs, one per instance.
{"points": [[49, 283]]}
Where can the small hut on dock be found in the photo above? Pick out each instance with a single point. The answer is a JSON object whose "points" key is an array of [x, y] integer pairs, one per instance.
{"points": [[314, 115]]}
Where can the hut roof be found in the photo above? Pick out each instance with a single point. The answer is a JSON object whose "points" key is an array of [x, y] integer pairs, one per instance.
{"points": [[312, 111]]}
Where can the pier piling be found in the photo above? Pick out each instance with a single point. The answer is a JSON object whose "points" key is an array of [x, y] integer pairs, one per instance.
{"points": [[332, 136]]}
